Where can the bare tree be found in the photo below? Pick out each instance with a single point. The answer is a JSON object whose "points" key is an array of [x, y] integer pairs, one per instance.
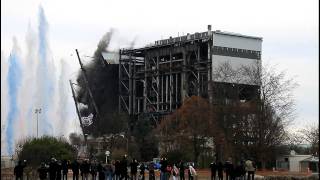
{"points": [[311, 135], [255, 106]]}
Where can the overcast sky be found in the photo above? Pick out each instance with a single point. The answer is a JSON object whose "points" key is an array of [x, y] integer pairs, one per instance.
{"points": [[289, 28]]}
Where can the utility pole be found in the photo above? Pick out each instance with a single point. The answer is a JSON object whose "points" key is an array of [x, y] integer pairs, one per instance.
{"points": [[37, 111], [87, 86], [78, 112]]}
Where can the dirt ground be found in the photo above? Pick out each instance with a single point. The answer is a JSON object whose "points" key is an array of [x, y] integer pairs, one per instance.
{"points": [[202, 174]]}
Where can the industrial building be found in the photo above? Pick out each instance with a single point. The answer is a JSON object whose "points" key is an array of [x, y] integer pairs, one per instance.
{"points": [[156, 79]]}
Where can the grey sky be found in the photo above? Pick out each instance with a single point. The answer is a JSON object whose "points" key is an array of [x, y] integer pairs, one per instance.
{"points": [[289, 28]]}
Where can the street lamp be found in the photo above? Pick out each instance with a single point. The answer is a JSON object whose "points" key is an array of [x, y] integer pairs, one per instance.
{"points": [[127, 141], [86, 143], [37, 111], [107, 154]]}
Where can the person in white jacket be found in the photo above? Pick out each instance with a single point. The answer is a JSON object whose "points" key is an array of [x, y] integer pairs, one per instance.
{"points": [[192, 172], [175, 172], [250, 168]]}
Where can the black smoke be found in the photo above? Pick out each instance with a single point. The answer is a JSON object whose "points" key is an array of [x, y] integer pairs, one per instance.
{"points": [[103, 83]]}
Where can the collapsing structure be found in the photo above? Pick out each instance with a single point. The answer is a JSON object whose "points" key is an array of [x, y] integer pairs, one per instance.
{"points": [[156, 79]]}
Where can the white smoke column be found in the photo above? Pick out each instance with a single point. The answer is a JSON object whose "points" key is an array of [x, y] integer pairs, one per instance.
{"points": [[4, 102], [65, 102], [45, 78], [26, 99]]}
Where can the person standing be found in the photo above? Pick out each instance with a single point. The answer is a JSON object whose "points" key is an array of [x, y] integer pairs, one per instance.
{"points": [[93, 169], [163, 169], [151, 171], [220, 170], [175, 172], [250, 168], [213, 168], [108, 171], [42, 171], [59, 170], [229, 169], [75, 169], [117, 170], [86, 169], [101, 171], [18, 170], [53, 169], [142, 169], [134, 169], [192, 172], [124, 171], [182, 168], [168, 171], [65, 166]]}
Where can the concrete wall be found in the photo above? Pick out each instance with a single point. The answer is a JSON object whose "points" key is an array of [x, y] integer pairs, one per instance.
{"points": [[225, 40]]}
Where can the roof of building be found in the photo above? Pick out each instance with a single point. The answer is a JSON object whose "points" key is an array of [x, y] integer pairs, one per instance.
{"points": [[311, 159], [236, 34], [191, 37]]}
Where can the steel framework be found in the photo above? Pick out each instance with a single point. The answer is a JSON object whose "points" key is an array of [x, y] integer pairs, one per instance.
{"points": [[155, 80]]}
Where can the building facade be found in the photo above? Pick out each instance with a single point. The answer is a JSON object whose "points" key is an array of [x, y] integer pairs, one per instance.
{"points": [[156, 79]]}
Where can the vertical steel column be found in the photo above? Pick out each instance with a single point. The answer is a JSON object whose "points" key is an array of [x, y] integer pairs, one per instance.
{"points": [[176, 90], [119, 82], [183, 76], [158, 85], [130, 84], [167, 91], [209, 67], [198, 70], [162, 91], [145, 84], [134, 87], [170, 82]]}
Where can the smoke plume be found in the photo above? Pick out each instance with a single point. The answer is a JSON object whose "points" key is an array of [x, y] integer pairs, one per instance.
{"points": [[14, 82]]}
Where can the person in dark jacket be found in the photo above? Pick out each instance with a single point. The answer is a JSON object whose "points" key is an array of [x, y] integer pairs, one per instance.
{"points": [[142, 169], [75, 166], [124, 164], [86, 169], [182, 168], [53, 169], [94, 169], [18, 170], [65, 166], [42, 171], [237, 171], [117, 170], [229, 169], [101, 171], [134, 169], [163, 169], [151, 171], [220, 170], [213, 168], [59, 170]]}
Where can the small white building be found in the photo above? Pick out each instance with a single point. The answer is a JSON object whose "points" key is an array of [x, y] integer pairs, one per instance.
{"points": [[293, 162], [7, 162]]}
